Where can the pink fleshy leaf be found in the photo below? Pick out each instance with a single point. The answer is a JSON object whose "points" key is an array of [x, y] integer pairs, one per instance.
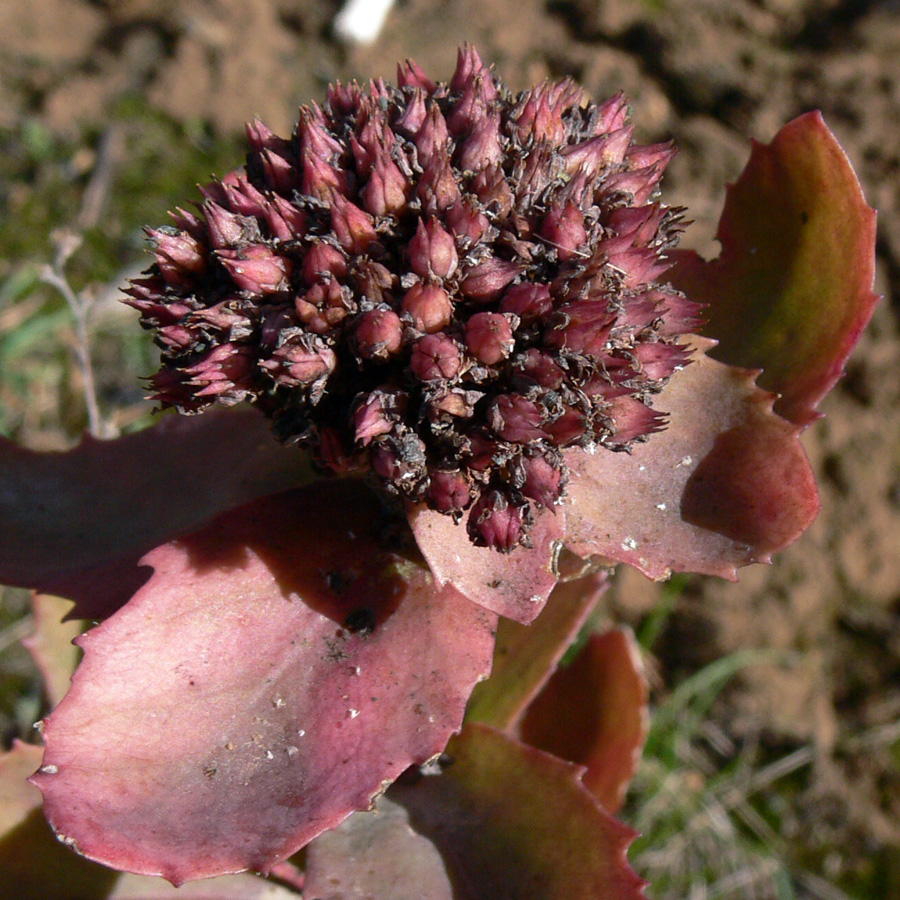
{"points": [[36, 866], [527, 655], [278, 668], [792, 289], [75, 524], [515, 584], [50, 644], [502, 821], [727, 483], [594, 713]]}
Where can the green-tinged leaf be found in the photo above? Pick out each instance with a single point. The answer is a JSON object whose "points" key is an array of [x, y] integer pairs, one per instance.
{"points": [[501, 821], [594, 713], [34, 865], [527, 655], [792, 289], [51, 644]]}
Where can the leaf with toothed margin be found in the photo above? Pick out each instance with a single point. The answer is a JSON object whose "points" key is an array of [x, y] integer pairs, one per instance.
{"points": [[515, 585], [527, 655], [792, 289], [36, 866], [76, 523], [727, 483], [594, 713], [51, 644], [456, 835], [277, 670]]}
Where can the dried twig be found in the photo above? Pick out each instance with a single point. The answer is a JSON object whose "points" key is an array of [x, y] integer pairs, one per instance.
{"points": [[67, 242]]}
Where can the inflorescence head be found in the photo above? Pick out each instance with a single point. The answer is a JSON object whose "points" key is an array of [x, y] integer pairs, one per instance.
{"points": [[442, 284]]}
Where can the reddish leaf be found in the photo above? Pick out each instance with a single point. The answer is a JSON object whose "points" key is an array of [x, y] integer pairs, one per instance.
{"points": [[36, 866], [502, 821], [277, 669], [792, 289], [515, 585], [75, 524], [594, 713], [727, 482], [527, 655], [51, 644]]}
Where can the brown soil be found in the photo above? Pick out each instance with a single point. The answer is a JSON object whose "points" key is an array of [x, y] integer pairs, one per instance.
{"points": [[710, 74]]}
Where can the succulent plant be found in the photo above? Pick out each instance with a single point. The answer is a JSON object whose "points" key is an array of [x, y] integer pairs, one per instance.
{"points": [[443, 284], [457, 295]]}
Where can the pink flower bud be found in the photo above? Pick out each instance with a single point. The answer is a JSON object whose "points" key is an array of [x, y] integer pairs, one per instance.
{"points": [[489, 337], [321, 179], [452, 403], [476, 98], [261, 137], [449, 492], [466, 222], [485, 281], [376, 414], [323, 307], [438, 188], [516, 419], [180, 257], [568, 429], [223, 373], [278, 172], [611, 114], [286, 222], [583, 327], [353, 227], [544, 479], [388, 188], [432, 137], [314, 137], [432, 251], [538, 368], [564, 229], [493, 190], [428, 306], [599, 153], [342, 99], [300, 361], [631, 420], [410, 75], [256, 269], [468, 64], [413, 116], [378, 334], [435, 357], [650, 155], [658, 360], [529, 302], [374, 282], [323, 261], [482, 147], [226, 229], [499, 521]]}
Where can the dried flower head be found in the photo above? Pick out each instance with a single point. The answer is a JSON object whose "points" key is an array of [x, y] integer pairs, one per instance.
{"points": [[443, 284]]}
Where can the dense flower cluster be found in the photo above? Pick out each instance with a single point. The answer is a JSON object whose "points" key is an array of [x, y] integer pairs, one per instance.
{"points": [[446, 285]]}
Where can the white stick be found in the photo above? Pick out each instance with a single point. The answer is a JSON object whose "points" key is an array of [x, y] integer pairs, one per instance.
{"points": [[361, 21]]}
